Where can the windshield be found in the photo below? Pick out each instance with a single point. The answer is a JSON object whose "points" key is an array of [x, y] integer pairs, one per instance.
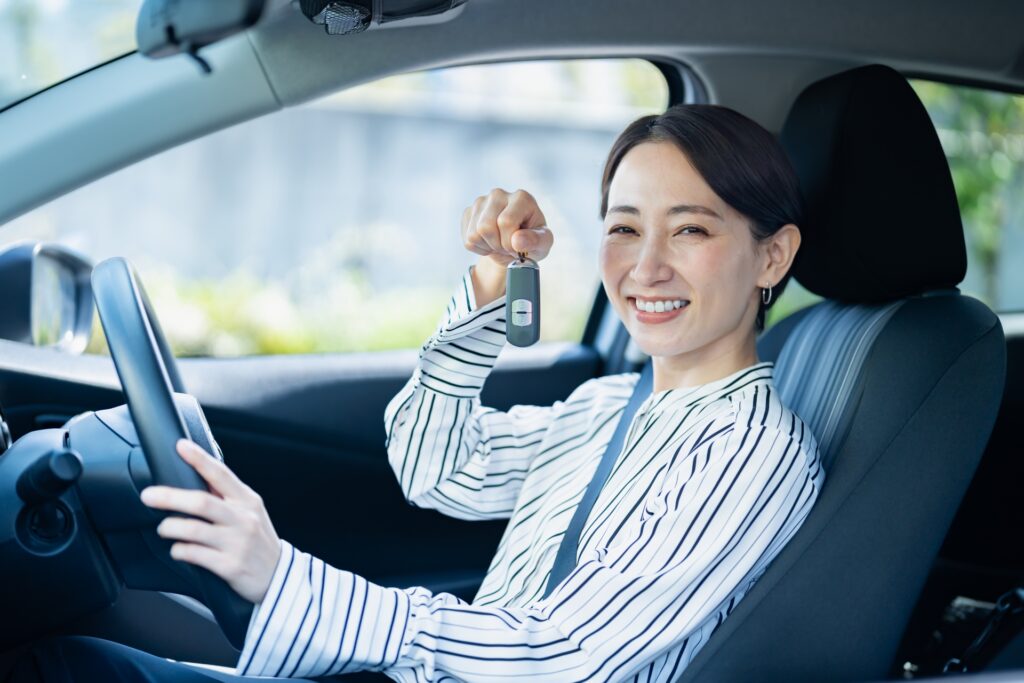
{"points": [[43, 42]]}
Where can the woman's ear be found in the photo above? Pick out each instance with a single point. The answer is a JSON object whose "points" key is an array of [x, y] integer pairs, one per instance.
{"points": [[780, 249]]}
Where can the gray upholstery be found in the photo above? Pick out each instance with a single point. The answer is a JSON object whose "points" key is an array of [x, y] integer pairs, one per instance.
{"points": [[818, 368], [918, 411], [902, 396]]}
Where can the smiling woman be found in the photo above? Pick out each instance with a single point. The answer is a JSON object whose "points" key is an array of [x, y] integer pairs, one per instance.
{"points": [[714, 477], [603, 573], [700, 207], [43, 42]]}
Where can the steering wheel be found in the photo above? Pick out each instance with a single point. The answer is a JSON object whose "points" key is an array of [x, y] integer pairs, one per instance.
{"points": [[149, 376]]}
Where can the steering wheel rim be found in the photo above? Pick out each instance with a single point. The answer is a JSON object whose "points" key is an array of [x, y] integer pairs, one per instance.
{"points": [[149, 375]]}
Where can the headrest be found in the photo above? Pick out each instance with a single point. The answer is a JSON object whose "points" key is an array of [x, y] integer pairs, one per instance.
{"points": [[881, 219]]}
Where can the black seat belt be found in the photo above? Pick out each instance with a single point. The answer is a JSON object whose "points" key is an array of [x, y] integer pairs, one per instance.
{"points": [[565, 560]]}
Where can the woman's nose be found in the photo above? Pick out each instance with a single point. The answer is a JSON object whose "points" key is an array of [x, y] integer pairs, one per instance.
{"points": [[651, 266]]}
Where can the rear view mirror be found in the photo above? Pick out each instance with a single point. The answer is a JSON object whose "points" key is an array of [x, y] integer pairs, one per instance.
{"points": [[167, 27], [45, 296]]}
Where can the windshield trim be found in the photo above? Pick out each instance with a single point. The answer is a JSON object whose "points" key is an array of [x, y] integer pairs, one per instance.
{"points": [[65, 80]]}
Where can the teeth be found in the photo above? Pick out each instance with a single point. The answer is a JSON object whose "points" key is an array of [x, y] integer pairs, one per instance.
{"points": [[659, 306]]}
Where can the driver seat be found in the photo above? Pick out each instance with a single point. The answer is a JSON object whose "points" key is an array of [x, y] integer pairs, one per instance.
{"points": [[896, 373]]}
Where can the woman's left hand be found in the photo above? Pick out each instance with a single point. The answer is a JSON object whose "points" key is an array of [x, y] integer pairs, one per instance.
{"points": [[229, 532]]}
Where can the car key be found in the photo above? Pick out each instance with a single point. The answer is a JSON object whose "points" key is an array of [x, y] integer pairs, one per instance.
{"points": [[522, 302]]}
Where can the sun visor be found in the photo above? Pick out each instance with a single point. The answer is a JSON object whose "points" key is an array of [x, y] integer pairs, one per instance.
{"points": [[356, 16]]}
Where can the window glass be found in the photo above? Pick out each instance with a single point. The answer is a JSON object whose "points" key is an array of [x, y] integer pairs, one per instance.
{"points": [[982, 134], [42, 42], [334, 226], [792, 300]]}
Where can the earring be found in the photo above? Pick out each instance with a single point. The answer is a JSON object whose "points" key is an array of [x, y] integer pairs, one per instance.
{"points": [[766, 295]]}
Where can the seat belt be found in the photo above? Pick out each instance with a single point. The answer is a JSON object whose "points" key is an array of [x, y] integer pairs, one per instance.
{"points": [[565, 559]]}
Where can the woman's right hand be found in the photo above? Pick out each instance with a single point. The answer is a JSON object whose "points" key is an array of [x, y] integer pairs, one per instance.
{"points": [[498, 226]]}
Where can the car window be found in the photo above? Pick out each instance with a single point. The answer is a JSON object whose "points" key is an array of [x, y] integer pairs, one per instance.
{"points": [[982, 134], [334, 226], [43, 42]]}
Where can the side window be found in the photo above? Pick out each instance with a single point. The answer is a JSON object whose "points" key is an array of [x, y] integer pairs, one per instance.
{"points": [[792, 300], [334, 226], [982, 134]]}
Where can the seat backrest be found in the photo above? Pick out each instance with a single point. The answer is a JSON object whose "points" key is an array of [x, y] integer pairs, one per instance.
{"points": [[897, 374]]}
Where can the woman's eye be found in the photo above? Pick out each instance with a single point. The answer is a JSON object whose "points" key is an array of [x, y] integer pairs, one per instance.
{"points": [[621, 230], [692, 230]]}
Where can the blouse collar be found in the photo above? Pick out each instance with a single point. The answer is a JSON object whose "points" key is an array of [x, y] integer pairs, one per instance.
{"points": [[684, 398]]}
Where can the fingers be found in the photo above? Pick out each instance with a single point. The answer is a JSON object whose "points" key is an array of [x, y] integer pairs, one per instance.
{"points": [[231, 536], [502, 224], [508, 224], [201, 555], [533, 241], [189, 502], [243, 553], [523, 211], [192, 530], [487, 220], [475, 243], [249, 574], [469, 218], [472, 240], [213, 471]]}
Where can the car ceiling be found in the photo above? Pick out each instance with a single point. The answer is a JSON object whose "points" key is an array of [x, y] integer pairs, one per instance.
{"points": [[753, 56], [972, 41]]}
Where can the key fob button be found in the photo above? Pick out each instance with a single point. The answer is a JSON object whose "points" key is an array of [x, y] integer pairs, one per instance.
{"points": [[522, 312]]}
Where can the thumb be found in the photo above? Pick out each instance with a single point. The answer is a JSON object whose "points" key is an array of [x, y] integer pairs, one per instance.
{"points": [[534, 241]]}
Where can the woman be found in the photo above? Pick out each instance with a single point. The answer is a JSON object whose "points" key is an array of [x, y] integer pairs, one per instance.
{"points": [[700, 209]]}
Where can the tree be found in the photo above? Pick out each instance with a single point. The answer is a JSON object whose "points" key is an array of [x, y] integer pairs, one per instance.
{"points": [[982, 133]]}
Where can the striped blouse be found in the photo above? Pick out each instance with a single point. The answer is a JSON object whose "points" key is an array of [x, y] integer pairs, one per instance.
{"points": [[713, 481]]}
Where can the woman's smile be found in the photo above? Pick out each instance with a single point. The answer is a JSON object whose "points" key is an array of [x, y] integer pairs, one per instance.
{"points": [[654, 311]]}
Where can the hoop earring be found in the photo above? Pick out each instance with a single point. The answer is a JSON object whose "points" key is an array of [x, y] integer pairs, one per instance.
{"points": [[766, 298]]}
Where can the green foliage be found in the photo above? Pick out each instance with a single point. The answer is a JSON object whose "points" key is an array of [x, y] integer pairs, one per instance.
{"points": [[240, 315], [982, 134], [792, 300]]}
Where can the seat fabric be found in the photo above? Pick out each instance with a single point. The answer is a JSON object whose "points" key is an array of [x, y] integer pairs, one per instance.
{"points": [[900, 387]]}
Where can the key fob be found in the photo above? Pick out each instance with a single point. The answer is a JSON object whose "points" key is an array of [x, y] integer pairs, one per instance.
{"points": [[522, 302]]}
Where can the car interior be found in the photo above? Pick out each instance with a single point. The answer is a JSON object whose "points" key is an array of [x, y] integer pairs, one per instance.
{"points": [[910, 386]]}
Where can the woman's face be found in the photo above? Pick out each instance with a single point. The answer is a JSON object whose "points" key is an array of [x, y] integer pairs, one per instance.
{"points": [[679, 265]]}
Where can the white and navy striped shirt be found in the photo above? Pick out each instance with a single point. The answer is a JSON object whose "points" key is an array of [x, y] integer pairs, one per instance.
{"points": [[713, 481]]}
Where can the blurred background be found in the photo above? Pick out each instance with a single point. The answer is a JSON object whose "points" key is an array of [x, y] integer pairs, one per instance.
{"points": [[334, 226]]}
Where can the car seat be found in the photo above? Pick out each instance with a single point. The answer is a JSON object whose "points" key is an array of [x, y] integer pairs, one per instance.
{"points": [[898, 375]]}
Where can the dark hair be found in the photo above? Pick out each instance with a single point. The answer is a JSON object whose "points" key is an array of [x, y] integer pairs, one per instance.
{"points": [[741, 161]]}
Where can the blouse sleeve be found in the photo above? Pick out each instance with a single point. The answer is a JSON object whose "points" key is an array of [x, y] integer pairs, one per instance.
{"points": [[704, 536], [448, 451]]}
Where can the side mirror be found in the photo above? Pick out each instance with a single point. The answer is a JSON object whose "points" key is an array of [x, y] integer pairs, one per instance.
{"points": [[45, 296]]}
